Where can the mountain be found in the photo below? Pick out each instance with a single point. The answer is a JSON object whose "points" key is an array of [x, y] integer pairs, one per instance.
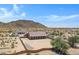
{"points": [[22, 24]]}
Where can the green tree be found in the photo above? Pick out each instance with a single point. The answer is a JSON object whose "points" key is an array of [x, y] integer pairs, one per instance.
{"points": [[61, 33], [73, 41], [60, 46]]}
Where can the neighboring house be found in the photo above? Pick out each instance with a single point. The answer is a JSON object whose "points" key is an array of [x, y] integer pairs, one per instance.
{"points": [[36, 35], [21, 34]]}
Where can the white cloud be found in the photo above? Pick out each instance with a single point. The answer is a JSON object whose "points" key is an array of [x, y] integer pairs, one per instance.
{"points": [[3, 10], [4, 13], [23, 14], [15, 8], [59, 20], [10, 15], [55, 18]]}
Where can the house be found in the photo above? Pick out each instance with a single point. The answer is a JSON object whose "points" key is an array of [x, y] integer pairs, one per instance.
{"points": [[21, 34], [36, 35]]}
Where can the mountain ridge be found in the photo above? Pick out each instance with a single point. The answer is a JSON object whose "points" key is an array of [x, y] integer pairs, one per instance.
{"points": [[22, 24]]}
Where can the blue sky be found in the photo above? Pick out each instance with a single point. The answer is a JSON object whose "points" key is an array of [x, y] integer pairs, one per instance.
{"points": [[51, 15]]}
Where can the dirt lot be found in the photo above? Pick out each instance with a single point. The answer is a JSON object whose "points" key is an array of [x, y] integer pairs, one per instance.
{"points": [[37, 44], [73, 51]]}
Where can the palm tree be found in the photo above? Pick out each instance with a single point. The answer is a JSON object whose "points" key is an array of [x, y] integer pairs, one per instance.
{"points": [[73, 41], [60, 46]]}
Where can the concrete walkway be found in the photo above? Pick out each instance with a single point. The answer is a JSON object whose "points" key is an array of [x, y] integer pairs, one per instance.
{"points": [[26, 44]]}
